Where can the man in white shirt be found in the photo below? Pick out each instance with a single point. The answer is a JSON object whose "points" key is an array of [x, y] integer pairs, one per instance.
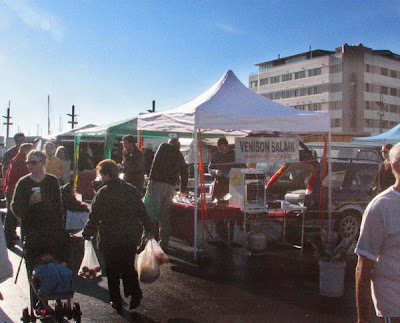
{"points": [[378, 251]]}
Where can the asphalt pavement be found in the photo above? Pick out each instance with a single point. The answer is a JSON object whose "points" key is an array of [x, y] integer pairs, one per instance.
{"points": [[224, 285]]}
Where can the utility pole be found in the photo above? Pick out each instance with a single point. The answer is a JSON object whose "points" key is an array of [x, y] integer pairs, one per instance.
{"points": [[7, 117], [153, 108], [72, 115], [48, 114]]}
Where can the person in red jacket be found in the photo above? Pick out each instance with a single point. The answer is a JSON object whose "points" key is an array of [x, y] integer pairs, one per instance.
{"points": [[16, 169]]}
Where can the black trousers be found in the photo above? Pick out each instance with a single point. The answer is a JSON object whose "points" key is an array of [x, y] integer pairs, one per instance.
{"points": [[11, 222], [120, 264]]}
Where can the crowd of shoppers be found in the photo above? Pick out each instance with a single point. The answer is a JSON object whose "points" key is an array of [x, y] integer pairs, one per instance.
{"points": [[118, 215]]}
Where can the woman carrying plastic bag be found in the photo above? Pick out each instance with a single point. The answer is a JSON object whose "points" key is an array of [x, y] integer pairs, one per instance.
{"points": [[118, 215]]}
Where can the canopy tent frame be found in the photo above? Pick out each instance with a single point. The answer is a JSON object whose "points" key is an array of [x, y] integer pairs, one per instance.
{"points": [[230, 107]]}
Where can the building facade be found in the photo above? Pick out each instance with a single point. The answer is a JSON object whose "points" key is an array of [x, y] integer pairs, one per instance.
{"points": [[359, 86]]}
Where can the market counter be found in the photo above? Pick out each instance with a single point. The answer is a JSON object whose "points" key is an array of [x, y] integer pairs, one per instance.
{"points": [[182, 218]]}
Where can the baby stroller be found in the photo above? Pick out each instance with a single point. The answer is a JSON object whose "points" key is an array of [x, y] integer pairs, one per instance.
{"points": [[40, 263]]}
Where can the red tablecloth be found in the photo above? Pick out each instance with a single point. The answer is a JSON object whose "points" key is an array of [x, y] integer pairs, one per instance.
{"points": [[182, 218]]}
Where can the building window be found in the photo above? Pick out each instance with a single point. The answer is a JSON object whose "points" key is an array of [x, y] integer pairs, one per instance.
{"points": [[299, 75], [384, 90], [367, 105], [336, 105], [337, 68], [367, 88], [299, 107], [367, 68], [274, 79], [270, 96], [265, 66], [368, 122], [301, 92], [314, 72], [393, 73], [315, 107], [393, 108], [264, 81], [384, 71], [286, 94], [276, 95], [337, 87], [286, 77], [393, 91], [335, 123], [315, 90], [253, 84], [295, 59]]}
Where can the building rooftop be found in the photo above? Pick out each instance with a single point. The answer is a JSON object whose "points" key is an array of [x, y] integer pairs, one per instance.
{"points": [[321, 52]]}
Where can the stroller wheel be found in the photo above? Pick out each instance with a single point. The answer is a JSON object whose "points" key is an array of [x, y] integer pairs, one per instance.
{"points": [[76, 312], [25, 315]]}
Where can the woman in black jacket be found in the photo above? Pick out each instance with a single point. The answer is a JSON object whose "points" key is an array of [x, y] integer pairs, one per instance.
{"points": [[119, 214]]}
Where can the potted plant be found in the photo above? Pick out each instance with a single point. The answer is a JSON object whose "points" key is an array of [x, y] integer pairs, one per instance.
{"points": [[332, 262]]}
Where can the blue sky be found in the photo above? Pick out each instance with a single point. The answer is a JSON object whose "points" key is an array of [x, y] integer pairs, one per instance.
{"points": [[112, 58]]}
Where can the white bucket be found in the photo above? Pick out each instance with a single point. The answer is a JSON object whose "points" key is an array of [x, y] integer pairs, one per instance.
{"points": [[331, 278]]}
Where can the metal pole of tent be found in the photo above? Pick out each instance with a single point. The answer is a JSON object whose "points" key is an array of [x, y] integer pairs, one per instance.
{"points": [[139, 137], [196, 184], [329, 189]]}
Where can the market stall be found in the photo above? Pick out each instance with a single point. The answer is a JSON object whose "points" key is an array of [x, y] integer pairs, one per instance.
{"points": [[229, 106]]}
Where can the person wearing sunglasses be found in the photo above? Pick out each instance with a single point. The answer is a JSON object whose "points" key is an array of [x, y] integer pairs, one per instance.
{"points": [[37, 203], [386, 177]]}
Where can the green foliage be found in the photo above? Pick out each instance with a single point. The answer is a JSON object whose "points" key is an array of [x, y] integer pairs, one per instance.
{"points": [[331, 251]]}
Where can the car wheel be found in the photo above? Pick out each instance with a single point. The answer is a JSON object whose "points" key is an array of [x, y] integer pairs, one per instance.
{"points": [[348, 225]]}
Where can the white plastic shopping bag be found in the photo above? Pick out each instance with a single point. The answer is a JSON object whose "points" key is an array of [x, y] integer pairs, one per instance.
{"points": [[146, 265], [90, 267], [160, 255]]}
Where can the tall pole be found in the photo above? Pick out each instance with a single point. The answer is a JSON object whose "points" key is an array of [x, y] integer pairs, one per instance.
{"points": [[7, 117], [72, 115], [48, 114]]}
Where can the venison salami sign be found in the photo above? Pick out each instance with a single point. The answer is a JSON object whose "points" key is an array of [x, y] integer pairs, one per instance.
{"points": [[265, 149]]}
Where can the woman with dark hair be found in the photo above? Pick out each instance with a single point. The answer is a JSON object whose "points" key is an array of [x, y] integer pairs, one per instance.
{"points": [[119, 215]]}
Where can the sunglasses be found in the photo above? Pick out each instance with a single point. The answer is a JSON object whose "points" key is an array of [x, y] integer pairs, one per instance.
{"points": [[33, 162]]}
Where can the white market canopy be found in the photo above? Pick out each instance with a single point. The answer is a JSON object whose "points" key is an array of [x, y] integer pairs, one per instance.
{"points": [[230, 105], [391, 136]]}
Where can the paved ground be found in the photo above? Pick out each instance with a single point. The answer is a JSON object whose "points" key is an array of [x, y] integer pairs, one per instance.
{"points": [[227, 286]]}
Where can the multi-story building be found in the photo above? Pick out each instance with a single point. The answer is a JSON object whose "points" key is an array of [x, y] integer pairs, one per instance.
{"points": [[359, 86]]}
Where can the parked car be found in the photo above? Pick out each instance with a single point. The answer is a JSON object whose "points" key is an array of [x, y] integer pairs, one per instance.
{"points": [[352, 181], [348, 150]]}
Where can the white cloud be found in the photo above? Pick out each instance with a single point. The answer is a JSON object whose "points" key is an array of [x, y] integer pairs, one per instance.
{"points": [[36, 18], [229, 28]]}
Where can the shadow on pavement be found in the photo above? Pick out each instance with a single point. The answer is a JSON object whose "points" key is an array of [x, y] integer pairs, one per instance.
{"points": [[280, 274]]}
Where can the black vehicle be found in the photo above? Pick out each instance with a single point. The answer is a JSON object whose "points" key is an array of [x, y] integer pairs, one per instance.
{"points": [[352, 184]]}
